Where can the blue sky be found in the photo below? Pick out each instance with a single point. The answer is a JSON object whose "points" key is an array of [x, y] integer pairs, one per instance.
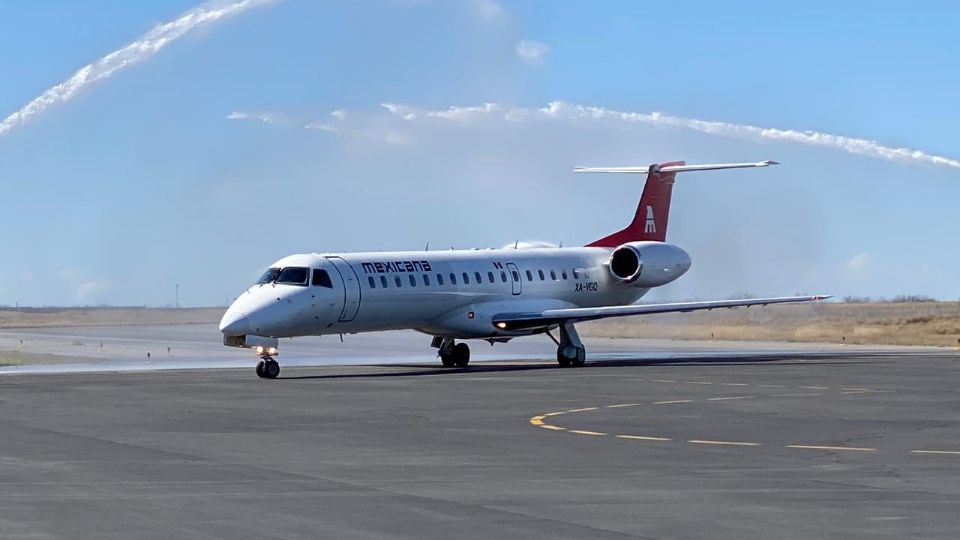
{"points": [[217, 153]]}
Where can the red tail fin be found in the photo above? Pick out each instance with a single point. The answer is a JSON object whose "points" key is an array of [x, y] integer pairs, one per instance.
{"points": [[653, 212]]}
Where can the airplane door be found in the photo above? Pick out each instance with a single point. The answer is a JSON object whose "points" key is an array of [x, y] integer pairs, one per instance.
{"points": [[515, 278], [351, 288]]}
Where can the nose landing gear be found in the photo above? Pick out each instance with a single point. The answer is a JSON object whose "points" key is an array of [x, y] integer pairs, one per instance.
{"points": [[268, 368]]}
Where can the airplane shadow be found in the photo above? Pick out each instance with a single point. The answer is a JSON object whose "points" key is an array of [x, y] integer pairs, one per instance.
{"points": [[701, 361]]}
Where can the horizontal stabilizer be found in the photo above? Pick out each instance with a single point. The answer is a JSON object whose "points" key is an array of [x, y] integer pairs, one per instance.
{"points": [[644, 169]]}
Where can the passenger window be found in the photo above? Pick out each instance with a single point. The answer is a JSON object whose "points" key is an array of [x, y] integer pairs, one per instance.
{"points": [[553, 275], [413, 281], [383, 281], [453, 278], [440, 279], [516, 275], [564, 274], [576, 275], [321, 279], [466, 279], [540, 272], [491, 278], [396, 279], [529, 276], [373, 284], [503, 276], [477, 275], [426, 280]]}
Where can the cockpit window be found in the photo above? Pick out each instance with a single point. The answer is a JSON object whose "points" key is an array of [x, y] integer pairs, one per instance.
{"points": [[322, 279], [269, 276], [293, 275]]}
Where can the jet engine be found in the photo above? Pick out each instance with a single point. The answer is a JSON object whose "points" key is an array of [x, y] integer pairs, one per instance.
{"points": [[648, 264]]}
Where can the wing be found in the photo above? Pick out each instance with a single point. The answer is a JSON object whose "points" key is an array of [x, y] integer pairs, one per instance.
{"points": [[519, 321]]}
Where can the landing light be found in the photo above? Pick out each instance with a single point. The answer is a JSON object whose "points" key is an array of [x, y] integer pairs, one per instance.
{"points": [[259, 349], [502, 325]]}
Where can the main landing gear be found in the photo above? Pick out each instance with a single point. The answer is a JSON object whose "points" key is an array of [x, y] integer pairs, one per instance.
{"points": [[452, 354], [268, 368], [570, 350]]}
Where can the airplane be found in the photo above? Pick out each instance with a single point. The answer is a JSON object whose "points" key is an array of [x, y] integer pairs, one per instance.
{"points": [[490, 294]]}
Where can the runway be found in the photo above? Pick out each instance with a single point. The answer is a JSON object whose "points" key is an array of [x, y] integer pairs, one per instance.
{"points": [[199, 346], [689, 441]]}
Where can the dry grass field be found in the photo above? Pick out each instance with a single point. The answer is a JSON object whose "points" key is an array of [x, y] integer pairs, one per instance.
{"points": [[20, 358], [105, 316], [922, 323]]}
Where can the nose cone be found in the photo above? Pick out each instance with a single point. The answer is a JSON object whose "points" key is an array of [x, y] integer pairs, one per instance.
{"points": [[235, 323]]}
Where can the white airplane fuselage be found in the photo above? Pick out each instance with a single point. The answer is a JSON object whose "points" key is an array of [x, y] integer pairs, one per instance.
{"points": [[443, 293], [492, 294]]}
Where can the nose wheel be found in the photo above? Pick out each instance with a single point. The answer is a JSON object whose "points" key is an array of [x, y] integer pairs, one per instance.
{"points": [[268, 368]]}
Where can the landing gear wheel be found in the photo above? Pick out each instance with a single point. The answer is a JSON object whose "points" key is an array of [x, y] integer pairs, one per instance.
{"points": [[562, 359], [461, 355], [570, 350], [260, 368], [580, 359], [569, 355], [448, 360], [270, 369]]}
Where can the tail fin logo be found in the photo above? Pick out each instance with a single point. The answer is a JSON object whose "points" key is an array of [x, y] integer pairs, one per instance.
{"points": [[651, 225]]}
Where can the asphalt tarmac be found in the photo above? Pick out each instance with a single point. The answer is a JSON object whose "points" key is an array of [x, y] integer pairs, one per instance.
{"points": [[693, 441]]}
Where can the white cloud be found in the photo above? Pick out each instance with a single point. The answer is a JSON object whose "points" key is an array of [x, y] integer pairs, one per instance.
{"points": [[466, 114], [266, 118], [484, 9], [397, 138], [559, 111], [488, 9], [403, 111], [860, 262], [88, 291], [138, 51], [71, 274], [456, 114], [562, 111], [378, 134], [320, 126], [532, 52]]}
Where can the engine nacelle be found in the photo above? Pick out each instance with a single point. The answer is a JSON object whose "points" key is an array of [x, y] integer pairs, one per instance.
{"points": [[648, 264]]}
